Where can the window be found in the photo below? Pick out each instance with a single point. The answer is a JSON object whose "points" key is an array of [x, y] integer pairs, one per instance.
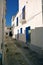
{"points": [[17, 21], [21, 30], [23, 13]]}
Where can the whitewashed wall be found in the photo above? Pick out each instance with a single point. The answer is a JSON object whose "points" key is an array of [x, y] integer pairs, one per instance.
{"points": [[33, 15], [2, 13]]}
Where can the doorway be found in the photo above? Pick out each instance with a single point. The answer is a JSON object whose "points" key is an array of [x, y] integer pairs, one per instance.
{"points": [[28, 34], [10, 33]]}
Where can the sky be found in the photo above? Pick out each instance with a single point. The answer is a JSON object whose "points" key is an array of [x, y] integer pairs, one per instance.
{"points": [[12, 8]]}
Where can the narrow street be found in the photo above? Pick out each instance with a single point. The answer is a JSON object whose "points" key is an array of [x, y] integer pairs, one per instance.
{"points": [[18, 54]]}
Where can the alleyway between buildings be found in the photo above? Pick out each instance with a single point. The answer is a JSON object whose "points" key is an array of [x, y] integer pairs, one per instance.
{"points": [[18, 54]]}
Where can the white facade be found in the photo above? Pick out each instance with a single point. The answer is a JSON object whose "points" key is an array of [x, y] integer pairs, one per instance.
{"points": [[33, 19], [2, 21]]}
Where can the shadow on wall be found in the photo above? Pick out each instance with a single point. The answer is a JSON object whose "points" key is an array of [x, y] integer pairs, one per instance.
{"points": [[35, 38], [23, 38]]}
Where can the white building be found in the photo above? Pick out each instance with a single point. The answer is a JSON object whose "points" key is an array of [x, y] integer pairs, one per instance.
{"points": [[2, 21], [28, 23], [12, 24]]}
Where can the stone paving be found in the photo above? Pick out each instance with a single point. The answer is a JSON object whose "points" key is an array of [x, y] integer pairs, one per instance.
{"points": [[18, 54]]}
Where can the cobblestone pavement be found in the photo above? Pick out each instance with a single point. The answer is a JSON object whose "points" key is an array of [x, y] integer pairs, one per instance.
{"points": [[18, 54]]}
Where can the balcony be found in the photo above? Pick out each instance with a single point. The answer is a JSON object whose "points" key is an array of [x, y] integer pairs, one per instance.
{"points": [[23, 21]]}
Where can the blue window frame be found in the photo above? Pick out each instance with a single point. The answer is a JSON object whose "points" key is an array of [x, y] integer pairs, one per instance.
{"points": [[23, 13], [17, 21], [21, 30]]}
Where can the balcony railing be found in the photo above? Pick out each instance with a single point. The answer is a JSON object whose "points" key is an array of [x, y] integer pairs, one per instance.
{"points": [[23, 21]]}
